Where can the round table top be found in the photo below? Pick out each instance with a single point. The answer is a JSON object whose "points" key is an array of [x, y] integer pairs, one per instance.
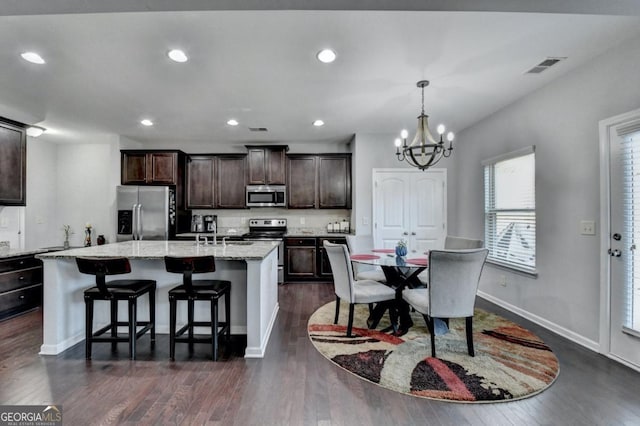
{"points": [[383, 259]]}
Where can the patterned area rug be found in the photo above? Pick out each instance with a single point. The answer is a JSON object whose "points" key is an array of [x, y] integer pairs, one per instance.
{"points": [[510, 362]]}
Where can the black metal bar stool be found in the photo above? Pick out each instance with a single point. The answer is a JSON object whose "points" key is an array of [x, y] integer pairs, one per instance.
{"points": [[113, 291], [192, 290]]}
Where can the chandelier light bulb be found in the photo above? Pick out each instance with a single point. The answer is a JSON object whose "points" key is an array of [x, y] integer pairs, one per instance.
{"points": [[404, 134], [398, 142], [450, 136], [441, 129]]}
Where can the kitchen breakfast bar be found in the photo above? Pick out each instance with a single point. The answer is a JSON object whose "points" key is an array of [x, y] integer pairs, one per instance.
{"points": [[251, 267]]}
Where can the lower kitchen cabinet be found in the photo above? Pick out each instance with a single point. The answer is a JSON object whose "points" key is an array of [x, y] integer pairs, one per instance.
{"points": [[306, 260], [20, 285]]}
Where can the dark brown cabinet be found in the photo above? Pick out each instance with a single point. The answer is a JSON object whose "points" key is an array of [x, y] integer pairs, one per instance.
{"points": [[151, 167], [231, 181], [216, 181], [306, 260], [20, 285], [201, 188], [267, 165], [13, 163], [319, 181]]}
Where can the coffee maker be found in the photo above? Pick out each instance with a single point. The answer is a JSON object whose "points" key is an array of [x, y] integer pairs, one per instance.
{"points": [[210, 223], [197, 224]]}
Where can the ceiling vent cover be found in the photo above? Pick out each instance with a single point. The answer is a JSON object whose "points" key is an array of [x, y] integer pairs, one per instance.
{"points": [[542, 66], [258, 129]]}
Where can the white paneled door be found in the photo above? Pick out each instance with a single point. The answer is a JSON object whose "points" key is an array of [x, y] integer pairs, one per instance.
{"points": [[410, 205], [620, 319]]}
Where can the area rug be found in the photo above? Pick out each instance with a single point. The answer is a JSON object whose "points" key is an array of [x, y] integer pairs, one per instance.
{"points": [[510, 362]]}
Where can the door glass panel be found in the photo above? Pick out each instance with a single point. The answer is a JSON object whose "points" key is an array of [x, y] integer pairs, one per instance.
{"points": [[631, 203]]}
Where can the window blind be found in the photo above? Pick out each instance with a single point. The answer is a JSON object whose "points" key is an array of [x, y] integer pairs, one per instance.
{"points": [[631, 215], [510, 210]]}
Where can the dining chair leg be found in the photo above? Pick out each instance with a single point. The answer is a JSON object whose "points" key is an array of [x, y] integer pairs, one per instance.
{"points": [[114, 324], [350, 323], [172, 328], [227, 315], [469, 327], [214, 328], [370, 309], [430, 326], [152, 316], [190, 308], [133, 320], [335, 320], [88, 326]]}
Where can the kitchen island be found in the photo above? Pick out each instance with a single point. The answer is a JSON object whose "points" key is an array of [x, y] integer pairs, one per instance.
{"points": [[252, 269]]}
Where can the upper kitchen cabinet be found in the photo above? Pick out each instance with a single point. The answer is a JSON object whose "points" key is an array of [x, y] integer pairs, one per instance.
{"points": [[301, 181], [216, 181], [319, 181], [267, 164], [231, 181], [201, 178], [334, 181], [151, 167], [13, 163]]}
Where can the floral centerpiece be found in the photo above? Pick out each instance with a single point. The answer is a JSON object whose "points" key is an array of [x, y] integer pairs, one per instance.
{"points": [[401, 248], [67, 233], [87, 235]]}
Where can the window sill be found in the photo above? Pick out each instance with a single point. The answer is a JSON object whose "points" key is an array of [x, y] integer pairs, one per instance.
{"points": [[511, 268]]}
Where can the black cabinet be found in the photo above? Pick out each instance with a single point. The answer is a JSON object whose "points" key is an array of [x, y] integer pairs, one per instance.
{"points": [[216, 181], [319, 181], [306, 260], [20, 285], [267, 165], [13, 163], [151, 167]]}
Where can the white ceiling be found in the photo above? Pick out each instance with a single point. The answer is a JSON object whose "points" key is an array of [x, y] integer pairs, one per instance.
{"points": [[107, 71]]}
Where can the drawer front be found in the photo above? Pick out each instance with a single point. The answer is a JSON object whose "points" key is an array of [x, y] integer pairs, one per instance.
{"points": [[291, 241], [18, 301], [334, 240], [22, 262], [18, 279]]}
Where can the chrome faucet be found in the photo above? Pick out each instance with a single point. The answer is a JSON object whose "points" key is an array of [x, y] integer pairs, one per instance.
{"points": [[215, 233], [224, 241]]}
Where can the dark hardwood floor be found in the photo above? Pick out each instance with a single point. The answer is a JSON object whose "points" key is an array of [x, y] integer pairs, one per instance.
{"points": [[292, 385]]}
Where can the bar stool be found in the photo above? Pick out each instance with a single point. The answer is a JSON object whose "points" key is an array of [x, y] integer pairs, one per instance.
{"points": [[192, 290], [114, 291]]}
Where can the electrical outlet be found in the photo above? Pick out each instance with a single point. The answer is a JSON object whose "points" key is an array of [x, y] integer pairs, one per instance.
{"points": [[502, 280], [4, 222], [365, 220], [302, 221], [587, 227]]}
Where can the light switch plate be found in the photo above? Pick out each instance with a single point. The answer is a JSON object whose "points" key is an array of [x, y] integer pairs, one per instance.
{"points": [[365, 220], [587, 227]]}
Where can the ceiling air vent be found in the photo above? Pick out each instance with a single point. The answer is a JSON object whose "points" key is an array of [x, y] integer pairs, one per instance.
{"points": [[258, 129], [549, 62]]}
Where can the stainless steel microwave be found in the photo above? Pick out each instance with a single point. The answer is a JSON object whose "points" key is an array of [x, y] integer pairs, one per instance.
{"points": [[266, 196]]}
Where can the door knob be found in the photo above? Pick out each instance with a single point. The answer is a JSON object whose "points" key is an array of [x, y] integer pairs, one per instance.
{"points": [[405, 233], [413, 233], [614, 253]]}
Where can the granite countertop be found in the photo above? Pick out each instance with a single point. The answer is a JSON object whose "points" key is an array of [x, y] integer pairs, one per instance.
{"points": [[158, 249], [18, 252], [315, 232]]}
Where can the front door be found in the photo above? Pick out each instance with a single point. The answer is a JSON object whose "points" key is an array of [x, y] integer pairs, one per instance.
{"points": [[621, 136], [409, 205]]}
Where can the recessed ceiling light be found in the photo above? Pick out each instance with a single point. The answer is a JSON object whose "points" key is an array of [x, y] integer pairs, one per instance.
{"points": [[326, 56], [35, 131], [232, 122], [146, 122], [177, 55], [318, 123], [32, 57]]}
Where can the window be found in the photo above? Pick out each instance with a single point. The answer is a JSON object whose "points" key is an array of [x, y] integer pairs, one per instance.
{"points": [[631, 207], [510, 210]]}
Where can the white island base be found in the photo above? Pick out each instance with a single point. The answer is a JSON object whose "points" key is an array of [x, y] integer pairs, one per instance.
{"points": [[254, 290]]}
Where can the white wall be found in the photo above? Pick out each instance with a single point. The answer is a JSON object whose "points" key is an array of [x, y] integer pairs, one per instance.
{"points": [[561, 119], [42, 225]]}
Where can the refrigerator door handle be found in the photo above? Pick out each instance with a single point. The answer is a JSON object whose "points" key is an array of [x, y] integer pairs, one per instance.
{"points": [[140, 223], [134, 221]]}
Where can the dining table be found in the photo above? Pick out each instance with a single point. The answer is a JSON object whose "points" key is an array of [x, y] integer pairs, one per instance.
{"points": [[400, 272]]}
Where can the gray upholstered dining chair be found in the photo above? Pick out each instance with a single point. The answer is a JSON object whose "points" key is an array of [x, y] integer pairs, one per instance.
{"points": [[454, 243], [359, 244], [349, 289], [454, 276]]}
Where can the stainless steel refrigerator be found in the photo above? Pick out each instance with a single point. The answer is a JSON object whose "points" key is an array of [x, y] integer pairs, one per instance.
{"points": [[146, 213]]}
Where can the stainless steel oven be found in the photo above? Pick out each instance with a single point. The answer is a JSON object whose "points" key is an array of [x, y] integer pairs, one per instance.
{"points": [[266, 196], [269, 230]]}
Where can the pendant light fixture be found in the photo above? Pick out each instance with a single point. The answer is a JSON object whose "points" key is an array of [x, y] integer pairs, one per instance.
{"points": [[424, 151]]}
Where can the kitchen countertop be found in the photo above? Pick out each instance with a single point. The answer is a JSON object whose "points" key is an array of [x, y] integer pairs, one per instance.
{"points": [[17, 252], [158, 249], [310, 232]]}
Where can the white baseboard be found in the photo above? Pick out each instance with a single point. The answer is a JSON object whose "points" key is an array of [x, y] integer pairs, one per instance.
{"points": [[564, 332]]}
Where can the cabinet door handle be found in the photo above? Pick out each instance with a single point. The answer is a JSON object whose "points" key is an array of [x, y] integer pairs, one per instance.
{"points": [[21, 278], [21, 297]]}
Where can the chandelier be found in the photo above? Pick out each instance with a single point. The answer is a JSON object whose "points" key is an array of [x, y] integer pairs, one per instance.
{"points": [[424, 151]]}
